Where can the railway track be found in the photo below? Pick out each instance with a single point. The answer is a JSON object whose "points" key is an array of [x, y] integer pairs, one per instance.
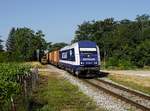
{"points": [[139, 100]]}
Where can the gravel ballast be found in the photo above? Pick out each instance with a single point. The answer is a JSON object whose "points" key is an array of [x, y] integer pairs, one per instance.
{"points": [[99, 97]]}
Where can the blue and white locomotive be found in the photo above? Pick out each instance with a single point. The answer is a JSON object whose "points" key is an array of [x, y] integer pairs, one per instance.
{"points": [[80, 58]]}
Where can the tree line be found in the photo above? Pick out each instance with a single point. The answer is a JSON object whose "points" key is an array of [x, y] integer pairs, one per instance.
{"points": [[123, 43], [24, 44]]}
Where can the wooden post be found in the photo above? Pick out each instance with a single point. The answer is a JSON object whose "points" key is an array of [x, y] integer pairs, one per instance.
{"points": [[13, 107]]}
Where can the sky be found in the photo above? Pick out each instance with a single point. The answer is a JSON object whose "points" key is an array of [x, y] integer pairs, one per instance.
{"points": [[58, 19]]}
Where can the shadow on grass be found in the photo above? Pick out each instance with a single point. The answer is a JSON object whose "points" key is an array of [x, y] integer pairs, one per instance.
{"points": [[34, 105]]}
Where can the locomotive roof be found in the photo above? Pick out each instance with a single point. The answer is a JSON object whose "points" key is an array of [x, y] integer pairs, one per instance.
{"points": [[83, 44]]}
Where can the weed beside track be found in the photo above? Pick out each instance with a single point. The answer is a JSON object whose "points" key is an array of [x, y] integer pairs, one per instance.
{"points": [[54, 93]]}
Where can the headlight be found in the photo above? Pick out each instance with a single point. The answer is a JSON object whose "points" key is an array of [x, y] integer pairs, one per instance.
{"points": [[81, 62], [95, 62]]}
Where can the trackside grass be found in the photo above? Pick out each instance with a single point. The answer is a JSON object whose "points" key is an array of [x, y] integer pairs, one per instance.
{"points": [[35, 64], [135, 82], [54, 93]]}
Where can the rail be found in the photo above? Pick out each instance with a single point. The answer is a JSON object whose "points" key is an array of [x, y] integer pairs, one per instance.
{"points": [[117, 95]]}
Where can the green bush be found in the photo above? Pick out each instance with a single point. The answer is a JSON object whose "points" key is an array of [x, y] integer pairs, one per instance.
{"points": [[125, 64], [3, 57], [9, 84], [116, 63], [111, 63]]}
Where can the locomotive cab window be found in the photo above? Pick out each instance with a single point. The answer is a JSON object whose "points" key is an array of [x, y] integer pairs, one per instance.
{"points": [[72, 55]]}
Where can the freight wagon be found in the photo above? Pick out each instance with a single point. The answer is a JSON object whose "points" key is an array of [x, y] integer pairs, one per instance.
{"points": [[53, 57]]}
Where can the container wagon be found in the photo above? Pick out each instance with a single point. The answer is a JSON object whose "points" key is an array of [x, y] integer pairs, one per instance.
{"points": [[55, 60]]}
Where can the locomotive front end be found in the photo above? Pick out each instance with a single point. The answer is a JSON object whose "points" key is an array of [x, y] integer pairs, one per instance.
{"points": [[89, 58]]}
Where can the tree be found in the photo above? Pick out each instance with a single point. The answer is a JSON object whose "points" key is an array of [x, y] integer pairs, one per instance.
{"points": [[10, 41], [100, 32], [142, 54], [39, 43], [1, 46], [22, 43], [49, 46], [57, 46], [142, 18], [83, 32]]}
